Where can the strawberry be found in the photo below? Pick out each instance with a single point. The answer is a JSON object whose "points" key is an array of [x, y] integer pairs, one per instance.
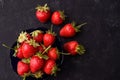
{"points": [[41, 48], [69, 30], [43, 13], [28, 36], [37, 35], [23, 37], [17, 50], [49, 38], [22, 68], [50, 67], [36, 63], [73, 48], [53, 53], [19, 53], [58, 17], [29, 48]]}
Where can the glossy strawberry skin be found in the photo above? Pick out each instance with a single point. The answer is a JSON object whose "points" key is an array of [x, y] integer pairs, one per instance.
{"points": [[36, 63], [48, 39], [67, 31], [71, 47], [28, 50], [22, 68], [50, 64], [56, 18], [39, 37], [53, 54], [42, 16], [19, 53]]}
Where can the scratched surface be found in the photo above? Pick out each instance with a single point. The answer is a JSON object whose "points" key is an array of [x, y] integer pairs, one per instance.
{"points": [[101, 36]]}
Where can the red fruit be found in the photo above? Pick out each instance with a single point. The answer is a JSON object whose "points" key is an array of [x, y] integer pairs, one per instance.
{"points": [[29, 48], [23, 37], [58, 17], [50, 67], [36, 63], [49, 38], [73, 47], [69, 30], [40, 48], [43, 13], [19, 53], [37, 35], [53, 54], [22, 68], [28, 36]]}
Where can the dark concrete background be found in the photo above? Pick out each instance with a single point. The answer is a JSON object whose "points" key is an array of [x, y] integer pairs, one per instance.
{"points": [[101, 36]]}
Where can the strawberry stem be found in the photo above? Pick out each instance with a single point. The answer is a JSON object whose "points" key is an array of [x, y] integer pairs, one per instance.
{"points": [[41, 55], [42, 45], [73, 23], [26, 60], [51, 28], [4, 45], [80, 49], [54, 70], [50, 31], [64, 53], [24, 78], [33, 43], [38, 74], [62, 15], [77, 28], [46, 49], [26, 75], [43, 8]]}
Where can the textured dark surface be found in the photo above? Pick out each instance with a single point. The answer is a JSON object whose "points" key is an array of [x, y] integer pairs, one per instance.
{"points": [[101, 36]]}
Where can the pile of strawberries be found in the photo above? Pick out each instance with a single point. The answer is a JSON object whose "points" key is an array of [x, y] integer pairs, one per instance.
{"points": [[36, 53], [35, 50]]}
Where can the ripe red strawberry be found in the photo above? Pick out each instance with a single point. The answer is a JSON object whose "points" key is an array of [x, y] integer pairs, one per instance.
{"points": [[49, 38], [41, 48], [37, 35], [43, 13], [53, 53], [70, 29], [73, 48], [17, 50], [58, 17], [50, 67], [22, 68], [29, 48], [36, 63], [19, 53], [28, 36], [23, 37]]}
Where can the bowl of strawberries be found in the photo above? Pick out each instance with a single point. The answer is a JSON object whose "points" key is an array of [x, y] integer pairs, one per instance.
{"points": [[36, 54]]}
